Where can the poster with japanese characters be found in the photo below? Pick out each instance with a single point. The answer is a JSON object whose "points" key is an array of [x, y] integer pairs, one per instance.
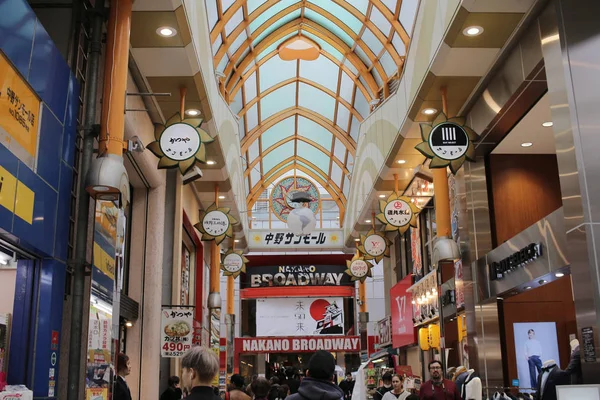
{"points": [[273, 240], [177, 331], [300, 316]]}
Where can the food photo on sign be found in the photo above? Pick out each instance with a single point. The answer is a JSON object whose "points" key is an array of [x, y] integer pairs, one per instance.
{"points": [[177, 333]]}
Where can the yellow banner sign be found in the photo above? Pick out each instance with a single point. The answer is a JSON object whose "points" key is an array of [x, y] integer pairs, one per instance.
{"points": [[19, 114], [15, 196]]}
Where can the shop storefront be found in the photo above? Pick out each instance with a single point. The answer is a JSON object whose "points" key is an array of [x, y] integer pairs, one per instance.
{"points": [[38, 119]]}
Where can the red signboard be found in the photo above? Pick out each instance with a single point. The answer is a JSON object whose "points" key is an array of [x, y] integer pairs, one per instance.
{"points": [[403, 331], [54, 342], [348, 344]]}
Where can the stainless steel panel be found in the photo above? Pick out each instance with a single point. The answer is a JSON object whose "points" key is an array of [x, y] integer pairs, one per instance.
{"points": [[550, 233], [488, 347], [531, 48]]}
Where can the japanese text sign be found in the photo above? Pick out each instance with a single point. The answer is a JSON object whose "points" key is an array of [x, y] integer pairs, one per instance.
{"points": [[403, 331], [177, 333], [278, 240]]}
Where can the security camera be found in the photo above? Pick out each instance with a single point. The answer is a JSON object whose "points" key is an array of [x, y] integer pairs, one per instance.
{"points": [[194, 174]]}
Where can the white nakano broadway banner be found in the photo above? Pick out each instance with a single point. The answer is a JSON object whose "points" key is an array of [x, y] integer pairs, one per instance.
{"points": [[299, 316]]}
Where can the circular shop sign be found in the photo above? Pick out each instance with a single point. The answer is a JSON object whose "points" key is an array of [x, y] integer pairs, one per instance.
{"points": [[398, 213], [233, 263], [180, 142], [375, 245], [215, 223], [449, 141], [359, 268]]}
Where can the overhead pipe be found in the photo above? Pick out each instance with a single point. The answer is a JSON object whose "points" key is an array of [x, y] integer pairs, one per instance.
{"points": [[83, 205]]}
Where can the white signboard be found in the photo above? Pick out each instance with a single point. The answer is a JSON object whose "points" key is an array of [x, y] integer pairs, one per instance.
{"points": [[375, 245], [177, 332], [300, 316], [398, 213], [180, 142], [215, 223], [233, 263], [277, 240]]}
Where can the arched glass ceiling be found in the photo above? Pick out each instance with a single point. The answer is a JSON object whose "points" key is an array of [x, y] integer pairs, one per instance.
{"points": [[300, 114]]}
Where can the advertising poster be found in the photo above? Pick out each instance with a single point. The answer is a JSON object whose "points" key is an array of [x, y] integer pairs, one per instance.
{"points": [[99, 362], [384, 331], [105, 248], [185, 275], [403, 331], [460, 284], [300, 316], [535, 342], [415, 250], [177, 333]]}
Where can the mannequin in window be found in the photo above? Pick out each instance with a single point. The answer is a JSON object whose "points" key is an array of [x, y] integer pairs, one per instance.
{"points": [[471, 389], [574, 368], [550, 377]]}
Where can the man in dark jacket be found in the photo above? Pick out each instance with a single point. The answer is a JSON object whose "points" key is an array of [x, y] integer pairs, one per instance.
{"points": [[199, 368], [123, 369], [291, 380], [387, 386], [347, 385], [318, 384], [173, 392]]}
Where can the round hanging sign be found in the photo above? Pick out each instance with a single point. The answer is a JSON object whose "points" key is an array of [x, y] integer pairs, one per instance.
{"points": [[375, 245], [449, 141], [234, 263], [180, 142], [216, 223], [358, 268], [397, 213]]}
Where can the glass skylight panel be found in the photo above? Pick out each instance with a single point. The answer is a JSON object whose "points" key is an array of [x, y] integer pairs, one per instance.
{"points": [[361, 104], [270, 12], [346, 88], [350, 162], [226, 4], [275, 71], [324, 45], [343, 117], [390, 4], [282, 152], [380, 21], [247, 185], [398, 45], [253, 151], [348, 64], [274, 46], [360, 5], [408, 13], [213, 14], [250, 87], [216, 45], [363, 56], [314, 155], [339, 12], [252, 117], [277, 132], [354, 129], [251, 64], [321, 22], [278, 100], [388, 64], [255, 174], [311, 130], [321, 71], [316, 172], [372, 42], [254, 4], [278, 24], [336, 174], [241, 128], [223, 64], [377, 77], [238, 42], [346, 186], [316, 100], [339, 150], [237, 104], [235, 20]]}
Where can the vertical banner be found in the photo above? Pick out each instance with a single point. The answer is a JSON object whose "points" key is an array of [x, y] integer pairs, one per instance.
{"points": [[185, 275], [4, 333], [459, 284], [177, 332], [215, 338], [415, 251], [403, 331]]}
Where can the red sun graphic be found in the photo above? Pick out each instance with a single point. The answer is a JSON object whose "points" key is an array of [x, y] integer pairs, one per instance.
{"points": [[317, 309]]}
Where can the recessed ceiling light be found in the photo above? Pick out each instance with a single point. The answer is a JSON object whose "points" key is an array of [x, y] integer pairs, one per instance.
{"points": [[401, 161], [129, 324], [527, 287], [221, 197], [547, 124], [237, 240], [382, 196], [542, 281], [559, 274], [192, 112], [166, 31], [211, 162], [473, 31], [429, 111], [368, 221], [357, 240], [526, 144]]}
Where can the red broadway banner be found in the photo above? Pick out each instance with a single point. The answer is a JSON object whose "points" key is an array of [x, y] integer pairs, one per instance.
{"points": [[403, 330], [349, 344]]}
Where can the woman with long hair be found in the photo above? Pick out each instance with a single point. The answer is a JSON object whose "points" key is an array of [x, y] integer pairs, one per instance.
{"points": [[397, 392]]}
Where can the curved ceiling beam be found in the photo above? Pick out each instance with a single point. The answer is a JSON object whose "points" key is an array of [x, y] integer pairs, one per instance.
{"points": [[291, 27], [274, 174], [289, 139], [281, 84], [249, 73], [386, 44], [393, 19], [283, 114]]}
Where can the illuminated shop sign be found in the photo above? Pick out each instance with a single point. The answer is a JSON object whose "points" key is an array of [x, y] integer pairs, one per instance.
{"points": [[298, 275], [350, 344], [516, 260]]}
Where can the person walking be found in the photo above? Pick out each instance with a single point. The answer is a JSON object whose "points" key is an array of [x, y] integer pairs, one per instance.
{"points": [[438, 388], [347, 385], [235, 391], [261, 389], [200, 366], [387, 386], [291, 379], [318, 384], [123, 369], [173, 392], [397, 392]]}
